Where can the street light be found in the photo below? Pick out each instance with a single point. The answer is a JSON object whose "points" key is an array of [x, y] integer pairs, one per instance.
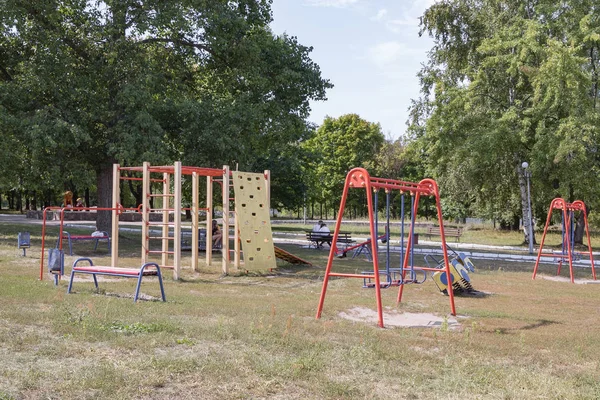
{"points": [[527, 174]]}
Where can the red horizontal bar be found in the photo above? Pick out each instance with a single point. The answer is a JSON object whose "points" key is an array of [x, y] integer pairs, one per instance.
{"points": [[351, 275], [170, 169]]}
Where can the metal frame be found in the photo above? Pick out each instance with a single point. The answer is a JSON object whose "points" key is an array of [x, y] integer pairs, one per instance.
{"points": [[112, 271], [359, 178], [567, 211]]}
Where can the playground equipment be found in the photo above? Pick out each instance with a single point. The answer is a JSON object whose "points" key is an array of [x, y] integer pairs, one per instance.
{"points": [[568, 236], [56, 264], [251, 223], [148, 269], [359, 178], [24, 242], [460, 266]]}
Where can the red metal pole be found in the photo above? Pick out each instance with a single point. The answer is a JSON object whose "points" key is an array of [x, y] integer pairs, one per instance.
{"points": [[537, 262], [568, 237], [587, 231], [374, 248], [338, 223], [443, 237], [43, 242]]}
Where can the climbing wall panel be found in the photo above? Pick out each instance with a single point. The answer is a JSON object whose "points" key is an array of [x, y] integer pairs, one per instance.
{"points": [[252, 208]]}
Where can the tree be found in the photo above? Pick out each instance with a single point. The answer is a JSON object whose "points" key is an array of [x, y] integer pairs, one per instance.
{"points": [[507, 82], [339, 145], [128, 81]]}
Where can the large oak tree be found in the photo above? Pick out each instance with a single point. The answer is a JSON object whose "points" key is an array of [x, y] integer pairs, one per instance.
{"points": [[84, 84]]}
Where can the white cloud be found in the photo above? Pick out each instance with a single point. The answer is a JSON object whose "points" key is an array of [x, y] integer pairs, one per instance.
{"points": [[380, 15], [387, 54], [331, 3]]}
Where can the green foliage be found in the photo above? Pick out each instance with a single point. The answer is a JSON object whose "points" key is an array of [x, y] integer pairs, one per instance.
{"points": [[508, 82], [339, 145], [83, 85]]}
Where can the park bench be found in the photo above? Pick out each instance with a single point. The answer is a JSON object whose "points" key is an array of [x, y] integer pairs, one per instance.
{"points": [[97, 237], [94, 270], [448, 232], [317, 239]]}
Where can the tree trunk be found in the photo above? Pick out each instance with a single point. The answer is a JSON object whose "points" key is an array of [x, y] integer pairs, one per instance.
{"points": [[87, 197], [20, 201], [104, 184], [525, 206], [580, 226]]}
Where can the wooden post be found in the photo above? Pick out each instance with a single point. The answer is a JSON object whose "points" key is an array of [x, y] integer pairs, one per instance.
{"points": [[165, 205], [209, 217], [195, 184], [177, 222], [225, 240], [268, 189], [236, 229], [145, 211], [114, 254]]}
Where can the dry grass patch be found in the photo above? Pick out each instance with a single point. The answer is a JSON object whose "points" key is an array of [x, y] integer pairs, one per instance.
{"points": [[255, 336]]}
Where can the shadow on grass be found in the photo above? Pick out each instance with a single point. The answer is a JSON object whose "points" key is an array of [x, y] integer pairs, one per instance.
{"points": [[539, 324]]}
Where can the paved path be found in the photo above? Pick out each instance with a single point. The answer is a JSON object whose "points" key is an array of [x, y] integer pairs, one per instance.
{"points": [[475, 251]]}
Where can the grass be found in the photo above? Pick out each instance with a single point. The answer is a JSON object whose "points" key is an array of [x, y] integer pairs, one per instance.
{"points": [[255, 335]]}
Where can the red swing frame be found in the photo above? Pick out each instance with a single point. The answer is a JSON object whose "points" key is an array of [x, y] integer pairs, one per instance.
{"points": [[564, 207], [359, 178]]}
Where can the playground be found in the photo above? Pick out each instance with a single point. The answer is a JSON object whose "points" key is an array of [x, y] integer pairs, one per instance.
{"points": [[254, 334]]}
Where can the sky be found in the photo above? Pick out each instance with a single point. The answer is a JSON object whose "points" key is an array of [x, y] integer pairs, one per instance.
{"points": [[369, 49]]}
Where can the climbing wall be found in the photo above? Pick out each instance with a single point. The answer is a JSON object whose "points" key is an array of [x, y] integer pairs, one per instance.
{"points": [[253, 215]]}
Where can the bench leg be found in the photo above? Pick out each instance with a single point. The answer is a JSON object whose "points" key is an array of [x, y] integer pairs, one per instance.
{"points": [[160, 282], [137, 288], [95, 281], [71, 282], [96, 245]]}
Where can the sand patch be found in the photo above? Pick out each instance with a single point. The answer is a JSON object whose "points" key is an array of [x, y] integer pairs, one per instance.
{"points": [[393, 318], [568, 280]]}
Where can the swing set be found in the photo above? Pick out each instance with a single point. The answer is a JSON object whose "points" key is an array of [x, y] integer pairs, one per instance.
{"points": [[568, 236], [359, 178]]}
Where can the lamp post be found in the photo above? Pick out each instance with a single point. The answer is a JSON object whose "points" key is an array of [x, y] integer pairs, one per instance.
{"points": [[527, 174]]}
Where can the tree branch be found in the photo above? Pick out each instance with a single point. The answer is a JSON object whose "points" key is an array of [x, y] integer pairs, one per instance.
{"points": [[5, 74], [182, 42], [45, 22]]}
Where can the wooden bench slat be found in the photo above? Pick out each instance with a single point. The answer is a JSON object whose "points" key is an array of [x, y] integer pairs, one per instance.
{"points": [[319, 238], [85, 237], [114, 270], [148, 269], [435, 230]]}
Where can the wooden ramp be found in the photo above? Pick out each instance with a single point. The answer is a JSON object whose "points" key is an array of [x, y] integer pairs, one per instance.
{"points": [[288, 257]]}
